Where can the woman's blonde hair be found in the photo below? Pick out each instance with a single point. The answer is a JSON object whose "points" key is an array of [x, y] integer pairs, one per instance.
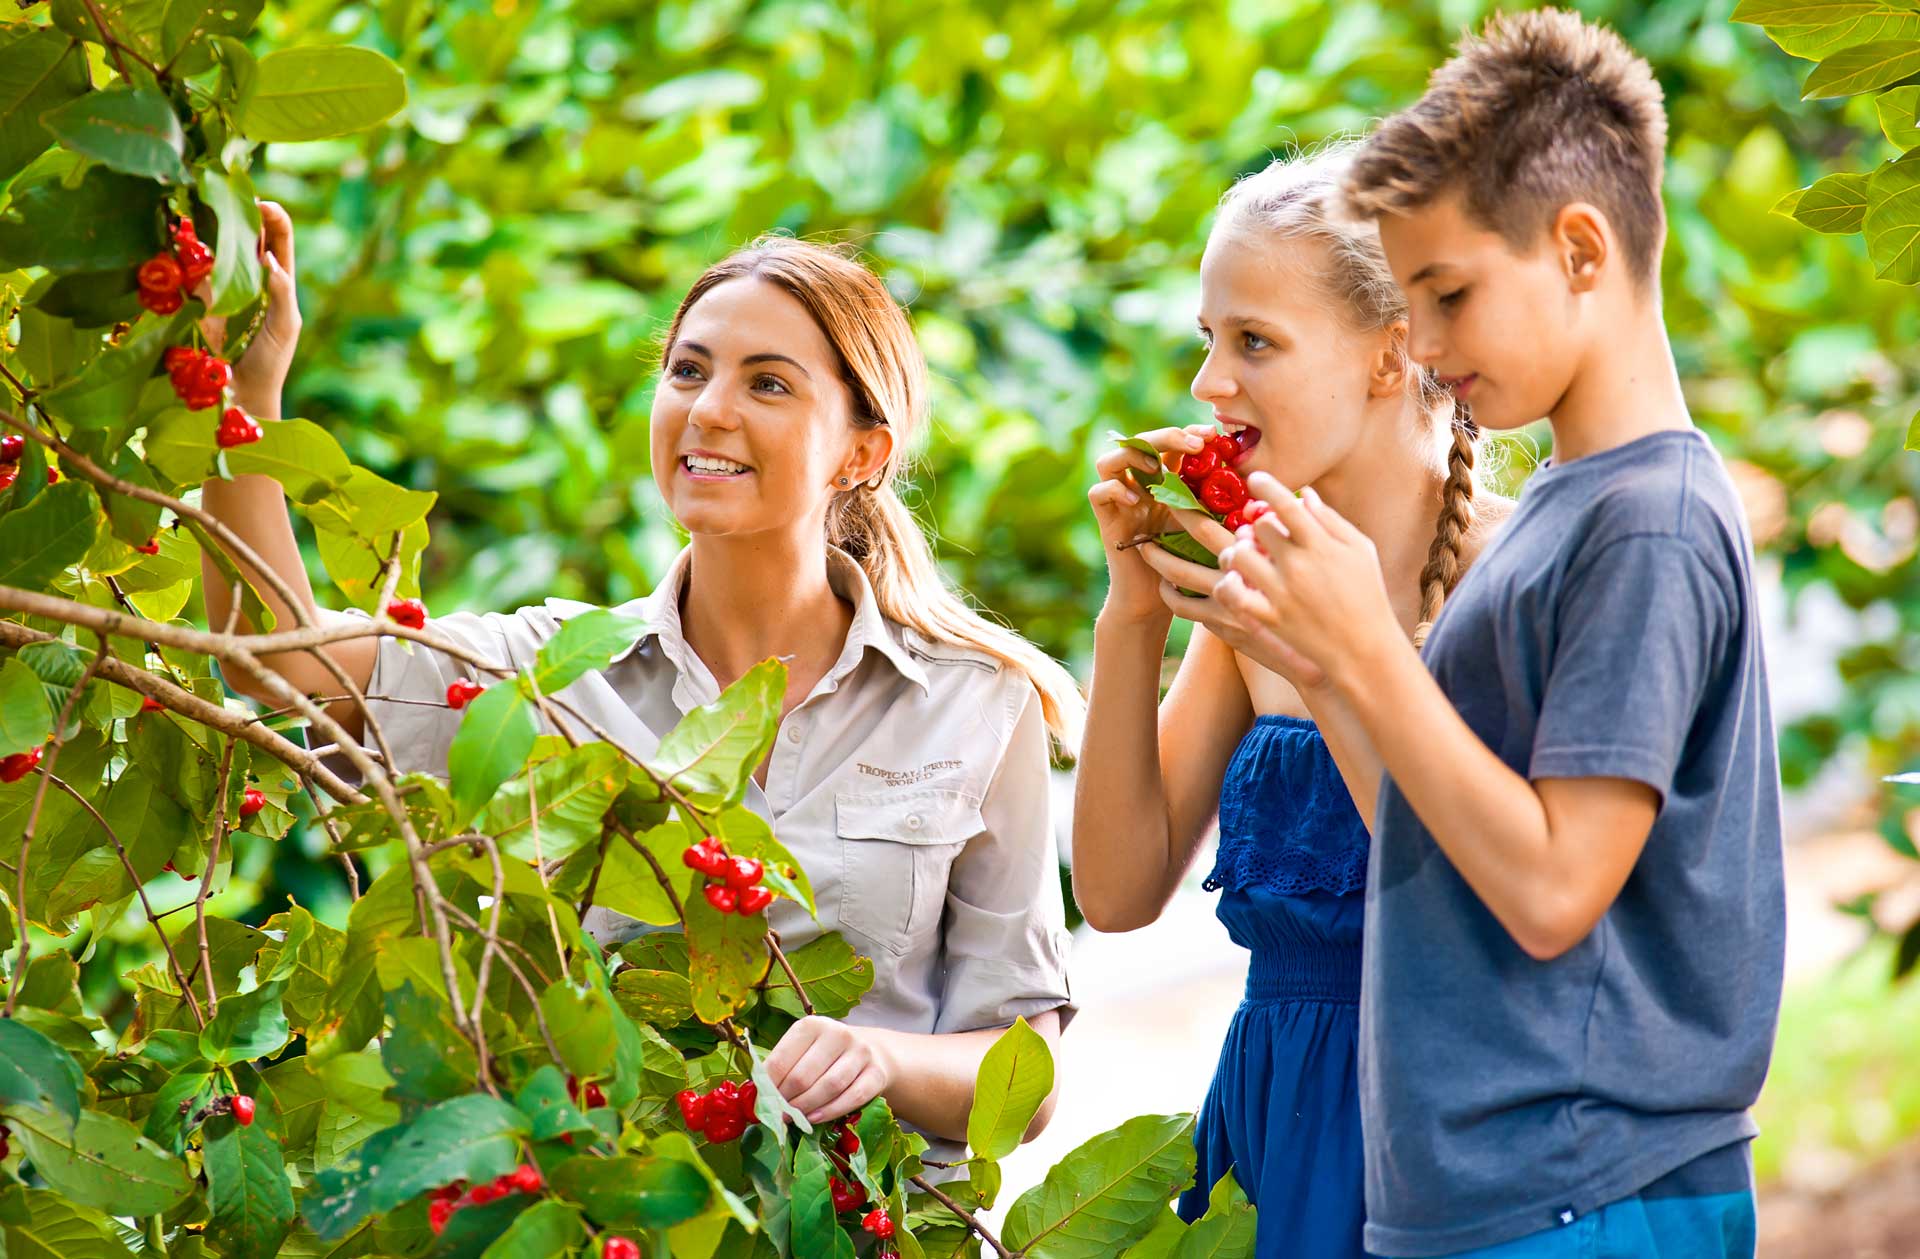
{"points": [[886, 375], [1301, 197]]}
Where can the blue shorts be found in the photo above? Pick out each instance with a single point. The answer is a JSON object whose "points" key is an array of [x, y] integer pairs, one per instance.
{"points": [[1703, 1210]]}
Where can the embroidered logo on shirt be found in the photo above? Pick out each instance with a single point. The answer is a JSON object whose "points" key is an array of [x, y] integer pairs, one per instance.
{"points": [[906, 777]]}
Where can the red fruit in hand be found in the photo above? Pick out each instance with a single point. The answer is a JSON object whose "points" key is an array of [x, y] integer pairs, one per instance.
{"points": [[409, 612], [237, 428], [243, 1110], [19, 765], [1224, 447], [526, 1178], [724, 1128], [1197, 466], [845, 1197], [12, 446], [1234, 520], [1223, 491], [462, 693], [252, 802], [1254, 509], [879, 1223], [722, 898], [619, 1248], [693, 1108], [847, 1142], [438, 1213], [742, 873], [753, 900]]}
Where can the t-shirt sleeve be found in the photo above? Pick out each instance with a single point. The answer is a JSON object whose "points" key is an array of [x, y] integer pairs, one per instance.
{"points": [[1005, 931], [1641, 627]]}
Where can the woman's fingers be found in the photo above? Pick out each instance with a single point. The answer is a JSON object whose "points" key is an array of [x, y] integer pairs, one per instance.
{"points": [[1181, 572], [1204, 529], [1184, 606], [865, 1087], [276, 230], [834, 1081]]}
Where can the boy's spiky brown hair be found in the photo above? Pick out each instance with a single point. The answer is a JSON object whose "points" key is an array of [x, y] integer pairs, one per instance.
{"points": [[1539, 110]]}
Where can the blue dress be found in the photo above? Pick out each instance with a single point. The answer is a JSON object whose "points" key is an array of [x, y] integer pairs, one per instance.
{"points": [[1284, 1108]]}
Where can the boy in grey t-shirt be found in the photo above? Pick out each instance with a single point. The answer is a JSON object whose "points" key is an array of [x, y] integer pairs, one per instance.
{"points": [[1575, 916]]}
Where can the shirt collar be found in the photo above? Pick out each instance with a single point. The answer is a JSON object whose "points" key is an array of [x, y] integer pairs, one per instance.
{"points": [[660, 610]]}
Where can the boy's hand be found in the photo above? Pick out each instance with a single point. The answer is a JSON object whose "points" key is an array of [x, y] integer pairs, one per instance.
{"points": [[1319, 578]]}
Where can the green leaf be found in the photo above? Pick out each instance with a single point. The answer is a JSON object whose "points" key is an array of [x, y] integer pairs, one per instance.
{"points": [[581, 1021], [572, 790], [632, 1191], [583, 643], [1862, 68], [26, 718], [1173, 492], [1835, 205], [1160, 1240], [1106, 1194], [493, 741], [1146, 448], [95, 299], [1896, 110], [1014, 1079], [35, 1073], [315, 93], [545, 1100], [102, 1162], [834, 975], [470, 1138], [236, 260], [1227, 1229], [107, 221], [628, 884], [248, 1197], [1803, 12], [712, 753], [1913, 432], [1812, 42], [129, 129], [544, 1229], [747, 834], [41, 540], [1892, 224], [247, 1025], [816, 1228], [40, 1224], [106, 394], [189, 22], [299, 454], [1188, 547], [40, 69], [424, 1053], [727, 958], [658, 997]]}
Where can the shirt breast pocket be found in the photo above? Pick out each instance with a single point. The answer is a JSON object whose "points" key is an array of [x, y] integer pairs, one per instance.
{"points": [[897, 849]]}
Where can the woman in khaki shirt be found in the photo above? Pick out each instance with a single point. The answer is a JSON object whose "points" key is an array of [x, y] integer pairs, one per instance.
{"points": [[909, 773]]}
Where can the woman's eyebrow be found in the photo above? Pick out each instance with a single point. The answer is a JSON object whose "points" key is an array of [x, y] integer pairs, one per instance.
{"points": [[704, 352]]}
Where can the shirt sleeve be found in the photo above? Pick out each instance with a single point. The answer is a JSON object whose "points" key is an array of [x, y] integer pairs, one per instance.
{"points": [[407, 693], [1005, 933], [1642, 627]]}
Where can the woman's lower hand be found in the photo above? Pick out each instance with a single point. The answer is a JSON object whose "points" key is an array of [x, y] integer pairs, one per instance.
{"points": [[826, 1068]]}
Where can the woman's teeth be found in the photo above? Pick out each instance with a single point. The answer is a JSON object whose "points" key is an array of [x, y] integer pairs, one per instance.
{"points": [[715, 467]]}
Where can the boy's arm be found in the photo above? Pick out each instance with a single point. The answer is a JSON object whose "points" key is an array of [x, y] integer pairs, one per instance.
{"points": [[1638, 628]]}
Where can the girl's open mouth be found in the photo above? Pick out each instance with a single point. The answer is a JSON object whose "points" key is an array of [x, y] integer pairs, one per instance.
{"points": [[1245, 436]]}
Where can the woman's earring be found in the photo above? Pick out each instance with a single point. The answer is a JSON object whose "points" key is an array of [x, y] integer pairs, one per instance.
{"points": [[844, 483]]}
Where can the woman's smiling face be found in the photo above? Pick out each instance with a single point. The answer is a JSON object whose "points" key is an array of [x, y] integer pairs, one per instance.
{"points": [[751, 422], [1284, 367]]}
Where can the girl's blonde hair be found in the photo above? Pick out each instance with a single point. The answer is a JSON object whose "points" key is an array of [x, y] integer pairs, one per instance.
{"points": [[886, 376], [1301, 197]]}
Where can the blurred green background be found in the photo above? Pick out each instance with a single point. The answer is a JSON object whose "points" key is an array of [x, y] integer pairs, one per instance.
{"points": [[483, 281]]}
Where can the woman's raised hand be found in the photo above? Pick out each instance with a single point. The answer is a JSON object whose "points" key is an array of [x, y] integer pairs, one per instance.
{"points": [[262, 370], [1127, 514]]}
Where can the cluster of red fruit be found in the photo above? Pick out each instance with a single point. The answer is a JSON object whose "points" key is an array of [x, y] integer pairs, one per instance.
{"points": [[199, 378], [12, 446], [1219, 487], [733, 885], [19, 765], [448, 1199], [849, 1194], [722, 1113], [167, 277]]}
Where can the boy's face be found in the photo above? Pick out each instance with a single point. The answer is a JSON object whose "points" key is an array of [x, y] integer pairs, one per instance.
{"points": [[1499, 326]]}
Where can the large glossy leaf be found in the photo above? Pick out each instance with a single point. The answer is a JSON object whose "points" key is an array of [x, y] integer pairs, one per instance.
{"points": [[632, 1191], [107, 221], [40, 540], [712, 753], [1863, 68], [40, 1224], [1892, 222], [318, 92], [248, 1196], [583, 643], [471, 1138], [129, 129], [106, 394], [102, 1162], [816, 1229], [37, 1074], [834, 976], [247, 1025], [1015, 1077], [495, 736], [546, 1230], [299, 454], [236, 263], [572, 792], [728, 957], [1105, 1194], [26, 718], [40, 69], [1227, 1229]]}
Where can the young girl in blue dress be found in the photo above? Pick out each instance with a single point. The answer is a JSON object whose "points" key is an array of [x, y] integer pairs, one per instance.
{"points": [[1306, 367]]}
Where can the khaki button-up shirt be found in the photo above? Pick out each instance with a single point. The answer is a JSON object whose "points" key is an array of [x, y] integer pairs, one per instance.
{"points": [[911, 784]]}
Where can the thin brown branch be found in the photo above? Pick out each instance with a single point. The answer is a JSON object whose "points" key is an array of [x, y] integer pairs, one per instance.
{"points": [[780, 956], [213, 863], [972, 1220]]}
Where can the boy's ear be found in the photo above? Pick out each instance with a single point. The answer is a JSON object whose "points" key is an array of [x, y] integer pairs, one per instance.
{"points": [[1582, 241], [1389, 370]]}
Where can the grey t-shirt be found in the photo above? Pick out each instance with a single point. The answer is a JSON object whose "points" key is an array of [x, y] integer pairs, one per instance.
{"points": [[1608, 631]]}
